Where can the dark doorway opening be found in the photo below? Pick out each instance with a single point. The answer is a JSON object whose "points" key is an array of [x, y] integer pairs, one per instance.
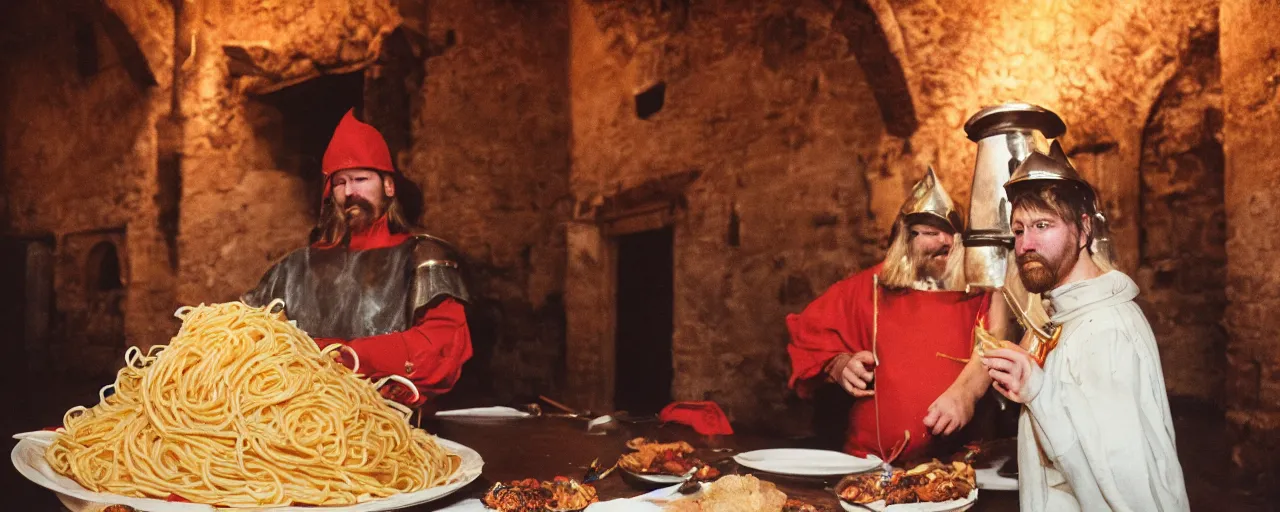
{"points": [[13, 295], [31, 395], [309, 112], [645, 302], [104, 268], [26, 299], [103, 326], [90, 310]]}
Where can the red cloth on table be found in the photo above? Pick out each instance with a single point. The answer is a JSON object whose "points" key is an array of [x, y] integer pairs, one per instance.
{"points": [[431, 353], [914, 327], [706, 418]]}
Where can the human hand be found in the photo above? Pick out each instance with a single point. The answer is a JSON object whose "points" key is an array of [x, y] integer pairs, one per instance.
{"points": [[853, 373], [1016, 374], [400, 390], [949, 413]]}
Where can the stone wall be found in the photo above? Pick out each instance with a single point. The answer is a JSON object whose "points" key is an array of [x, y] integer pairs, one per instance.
{"points": [[770, 116], [491, 152], [1135, 83], [242, 206], [1183, 258], [780, 138], [187, 181], [80, 102], [207, 181], [1250, 77], [1099, 64], [750, 104]]}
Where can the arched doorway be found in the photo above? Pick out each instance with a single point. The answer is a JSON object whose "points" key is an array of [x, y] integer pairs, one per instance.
{"points": [[105, 304], [92, 281]]}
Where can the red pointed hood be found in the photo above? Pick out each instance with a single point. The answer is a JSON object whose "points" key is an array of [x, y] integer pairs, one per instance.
{"points": [[355, 145]]}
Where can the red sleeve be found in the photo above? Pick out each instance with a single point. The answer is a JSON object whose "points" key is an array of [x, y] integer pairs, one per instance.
{"points": [[430, 353], [828, 327]]}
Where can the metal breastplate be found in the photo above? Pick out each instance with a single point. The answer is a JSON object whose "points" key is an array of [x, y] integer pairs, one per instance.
{"points": [[336, 293]]}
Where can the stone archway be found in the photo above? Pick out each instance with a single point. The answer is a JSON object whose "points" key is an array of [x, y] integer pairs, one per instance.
{"points": [[142, 33], [873, 36], [92, 281], [140, 64], [1251, 188], [104, 296], [1181, 223], [875, 39]]}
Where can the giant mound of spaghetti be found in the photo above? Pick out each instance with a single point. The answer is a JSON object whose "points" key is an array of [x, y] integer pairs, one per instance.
{"points": [[242, 409]]}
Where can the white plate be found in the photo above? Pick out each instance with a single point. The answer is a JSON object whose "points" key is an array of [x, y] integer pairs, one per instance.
{"points": [[991, 480], [806, 462], [655, 478], [28, 458], [483, 412], [936, 506]]}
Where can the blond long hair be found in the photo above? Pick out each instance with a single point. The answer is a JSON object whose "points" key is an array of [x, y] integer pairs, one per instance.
{"points": [[899, 272]]}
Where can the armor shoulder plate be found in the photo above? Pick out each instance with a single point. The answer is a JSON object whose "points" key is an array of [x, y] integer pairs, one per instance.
{"points": [[436, 273]]}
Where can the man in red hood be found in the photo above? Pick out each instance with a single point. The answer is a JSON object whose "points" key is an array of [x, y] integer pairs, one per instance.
{"points": [[898, 338], [394, 297]]}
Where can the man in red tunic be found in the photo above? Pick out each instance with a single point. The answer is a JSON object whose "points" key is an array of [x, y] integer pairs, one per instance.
{"points": [[896, 336], [394, 297]]}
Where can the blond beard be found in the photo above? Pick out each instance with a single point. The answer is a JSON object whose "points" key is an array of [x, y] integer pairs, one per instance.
{"points": [[902, 269]]}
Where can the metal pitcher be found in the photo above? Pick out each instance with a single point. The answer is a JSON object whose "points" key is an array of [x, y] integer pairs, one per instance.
{"points": [[1006, 135]]}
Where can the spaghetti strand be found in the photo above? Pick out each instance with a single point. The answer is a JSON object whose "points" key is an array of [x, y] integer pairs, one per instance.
{"points": [[241, 409]]}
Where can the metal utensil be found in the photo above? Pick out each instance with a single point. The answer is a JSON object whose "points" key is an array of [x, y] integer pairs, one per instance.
{"points": [[571, 412], [596, 472], [690, 484]]}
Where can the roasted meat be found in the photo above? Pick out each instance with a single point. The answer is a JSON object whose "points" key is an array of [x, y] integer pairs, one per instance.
{"points": [[931, 482], [862, 489], [568, 495], [665, 459], [530, 495], [517, 496]]}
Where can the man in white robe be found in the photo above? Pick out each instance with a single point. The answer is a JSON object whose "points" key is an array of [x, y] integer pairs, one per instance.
{"points": [[1096, 433]]}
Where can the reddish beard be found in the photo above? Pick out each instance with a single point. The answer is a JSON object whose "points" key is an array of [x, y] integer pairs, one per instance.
{"points": [[359, 213], [1040, 274]]}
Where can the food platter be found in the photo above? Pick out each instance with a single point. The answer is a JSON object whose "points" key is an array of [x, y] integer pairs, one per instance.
{"points": [[28, 459], [664, 463], [938, 506], [930, 487], [560, 494]]}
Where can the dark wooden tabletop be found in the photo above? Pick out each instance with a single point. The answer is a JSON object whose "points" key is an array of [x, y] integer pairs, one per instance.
{"points": [[546, 447]]}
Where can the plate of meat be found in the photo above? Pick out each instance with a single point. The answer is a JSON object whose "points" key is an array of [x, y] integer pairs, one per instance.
{"points": [[930, 487], [529, 495], [664, 463]]}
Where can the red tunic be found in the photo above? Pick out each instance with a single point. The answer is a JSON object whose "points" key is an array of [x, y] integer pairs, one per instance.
{"points": [[914, 326], [435, 347]]}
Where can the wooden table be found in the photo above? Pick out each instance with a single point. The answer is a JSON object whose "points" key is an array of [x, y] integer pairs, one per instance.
{"points": [[546, 447]]}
